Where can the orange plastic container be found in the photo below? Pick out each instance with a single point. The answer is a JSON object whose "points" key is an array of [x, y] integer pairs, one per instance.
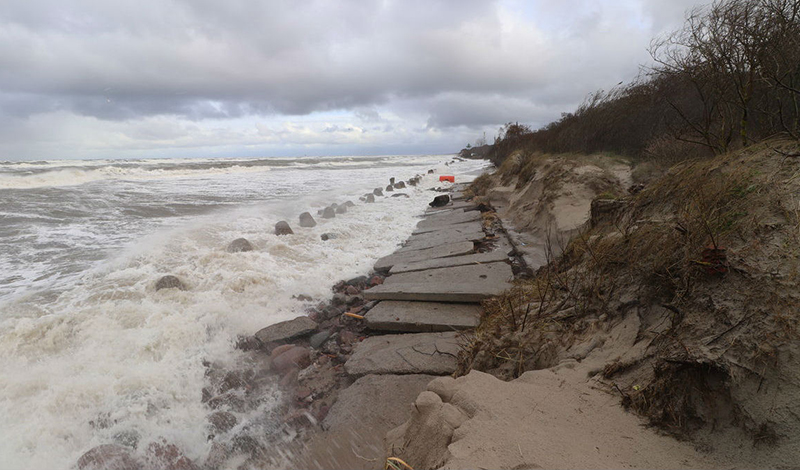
{"points": [[451, 179]]}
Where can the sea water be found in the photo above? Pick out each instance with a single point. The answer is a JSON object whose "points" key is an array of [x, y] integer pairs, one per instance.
{"points": [[84, 335]]}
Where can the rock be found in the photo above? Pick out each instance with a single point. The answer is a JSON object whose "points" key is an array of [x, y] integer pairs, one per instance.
{"points": [[349, 204], [370, 198], [217, 456], [286, 330], [399, 185], [400, 195], [239, 245], [430, 172], [389, 188], [329, 213], [317, 339], [375, 281], [440, 201], [297, 356], [351, 290], [391, 180], [377, 192], [168, 282], [283, 228], [413, 181], [359, 281], [248, 343], [306, 220], [341, 209], [280, 350], [328, 236], [230, 400], [128, 438], [166, 456], [222, 421], [108, 456], [232, 381]]}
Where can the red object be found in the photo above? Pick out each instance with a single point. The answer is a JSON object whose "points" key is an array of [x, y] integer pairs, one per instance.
{"points": [[451, 179]]}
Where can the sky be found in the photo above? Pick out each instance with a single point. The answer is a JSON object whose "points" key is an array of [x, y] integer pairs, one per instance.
{"points": [[248, 78]]}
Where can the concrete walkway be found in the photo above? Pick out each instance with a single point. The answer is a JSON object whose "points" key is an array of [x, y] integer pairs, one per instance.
{"points": [[435, 284]]}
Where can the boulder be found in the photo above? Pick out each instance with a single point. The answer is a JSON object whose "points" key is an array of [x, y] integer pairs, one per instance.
{"points": [[430, 172], [334, 205], [400, 195], [377, 192], [349, 204], [239, 245], [389, 188], [328, 236], [283, 228], [329, 213], [370, 198], [318, 339], [287, 330], [167, 456], [341, 209], [108, 456], [168, 282], [306, 220], [399, 185], [221, 421], [296, 357], [391, 180], [440, 201]]}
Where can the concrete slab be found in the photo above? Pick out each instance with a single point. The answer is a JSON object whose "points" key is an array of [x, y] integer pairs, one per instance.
{"points": [[416, 243], [440, 251], [457, 216], [452, 205], [416, 353], [409, 317], [471, 283], [376, 402], [495, 256], [473, 225], [287, 330]]}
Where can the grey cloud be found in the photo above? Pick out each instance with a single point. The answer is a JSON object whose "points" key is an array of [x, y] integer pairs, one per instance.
{"points": [[210, 59]]}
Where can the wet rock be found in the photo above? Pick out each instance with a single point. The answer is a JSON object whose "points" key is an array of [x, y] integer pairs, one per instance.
{"points": [[128, 438], [440, 201], [169, 282], [328, 236], [319, 338], [351, 290], [222, 421], [280, 350], [303, 297], [287, 330], [360, 281], [430, 172], [283, 228], [341, 209], [389, 188], [399, 185], [400, 195], [329, 213], [349, 204], [239, 245], [375, 281], [108, 456], [391, 180], [339, 299], [377, 192], [233, 380], [163, 455], [297, 356], [230, 400], [248, 343], [247, 444], [413, 181], [306, 220], [206, 395], [370, 199], [347, 337], [217, 456]]}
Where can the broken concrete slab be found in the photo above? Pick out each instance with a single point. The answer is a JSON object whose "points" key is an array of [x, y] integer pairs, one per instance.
{"points": [[287, 330], [473, 225], [449, 218], [376, 402], [450, 206], [495, 256], [471, 283], [392, 315], [440, 251], [415, 353], [416, 244]]}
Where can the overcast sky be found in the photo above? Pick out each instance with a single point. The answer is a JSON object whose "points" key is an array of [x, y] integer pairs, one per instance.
{"points": [[196, 78]]}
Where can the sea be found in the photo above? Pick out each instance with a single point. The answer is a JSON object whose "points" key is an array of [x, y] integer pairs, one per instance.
{"points": [[84, 335]]}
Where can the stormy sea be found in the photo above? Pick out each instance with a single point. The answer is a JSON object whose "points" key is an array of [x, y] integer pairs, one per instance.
{"points": [[91, 351]]}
